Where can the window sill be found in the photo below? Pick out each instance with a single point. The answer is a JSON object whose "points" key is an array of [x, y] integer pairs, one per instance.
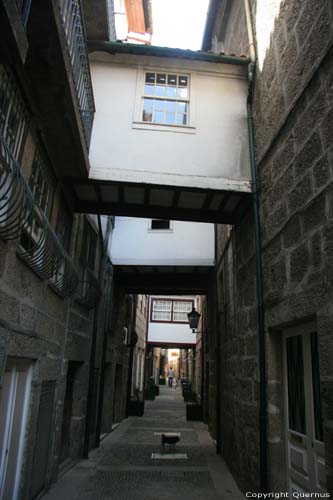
{"points": [[160, 230], [160, 127]]}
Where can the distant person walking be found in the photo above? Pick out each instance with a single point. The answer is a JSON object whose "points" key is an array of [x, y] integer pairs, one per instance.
{"points": [[171, 375]]}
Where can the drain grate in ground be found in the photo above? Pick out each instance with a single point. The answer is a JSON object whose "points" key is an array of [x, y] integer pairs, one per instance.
{"points": [[169, 456], [140, 454]]}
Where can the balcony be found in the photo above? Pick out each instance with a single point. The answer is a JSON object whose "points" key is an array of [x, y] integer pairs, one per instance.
{"points": [[58, 77], [72, 19], [21, 219]]}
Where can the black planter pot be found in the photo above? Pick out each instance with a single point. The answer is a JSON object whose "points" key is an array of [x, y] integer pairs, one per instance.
{"points": [[189, 397], [150, 394], [136, 408], [193, 411], [157, 390]]}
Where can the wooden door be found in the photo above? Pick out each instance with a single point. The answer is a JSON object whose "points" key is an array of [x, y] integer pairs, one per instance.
{"points": [[304, 428]]}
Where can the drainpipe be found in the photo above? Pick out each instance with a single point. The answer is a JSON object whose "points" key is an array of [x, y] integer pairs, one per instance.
{"points": [[258, 257], [98, 309], [109, 296]]}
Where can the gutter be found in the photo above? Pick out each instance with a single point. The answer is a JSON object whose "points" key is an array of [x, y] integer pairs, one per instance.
{"points": [[152, 50], [258, 257]]}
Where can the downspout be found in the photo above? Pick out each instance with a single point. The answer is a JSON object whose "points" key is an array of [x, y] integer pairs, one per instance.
{"points": [[109, 296], [258, 257], [98, 309]]}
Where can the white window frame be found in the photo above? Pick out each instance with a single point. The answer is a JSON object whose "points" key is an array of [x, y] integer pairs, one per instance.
{"points": [[172, 311], [138, 123]]}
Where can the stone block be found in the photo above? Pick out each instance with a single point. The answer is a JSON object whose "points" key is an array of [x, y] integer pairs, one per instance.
{"points": [[275, 220], [10, 307], [292, 232], [277, 275], [326, 128], [301, 194], [27, 317], [280, 188], [308, 154], [317, 250], [299, 263], [315, 214], [311, 116], [321, 172], [285, 155]]}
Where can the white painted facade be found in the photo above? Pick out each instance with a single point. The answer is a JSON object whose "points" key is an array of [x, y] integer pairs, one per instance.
{"points": [[185, 244], [175, 334], [210, 151]]}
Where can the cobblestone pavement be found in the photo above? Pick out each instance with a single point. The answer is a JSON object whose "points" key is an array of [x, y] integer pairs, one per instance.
{"points": [[123, 468]]}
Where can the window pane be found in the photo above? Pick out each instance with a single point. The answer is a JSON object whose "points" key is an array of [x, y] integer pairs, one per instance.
{"points": [[161, 78], [172, 80], [150, 78], [149, 89], [159, 105], [182, 81], [295, 375], [162, 305], [159, 117], [160, 224], [148, 104], [182, 107], [170, 118], [171, 106], [147, 116], [171, 92], [160, 91], [182, 92], [181, 119], [316, 388]]}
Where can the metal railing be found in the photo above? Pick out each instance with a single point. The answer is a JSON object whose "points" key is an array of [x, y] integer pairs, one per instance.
{"points": [[72, 19], [21, 218]]}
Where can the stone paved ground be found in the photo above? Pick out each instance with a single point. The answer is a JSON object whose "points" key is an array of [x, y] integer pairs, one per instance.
{"points": [[122, 468]]}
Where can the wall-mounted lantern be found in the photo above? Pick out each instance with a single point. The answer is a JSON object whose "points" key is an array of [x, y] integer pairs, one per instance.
{"points": [[193, 319]]}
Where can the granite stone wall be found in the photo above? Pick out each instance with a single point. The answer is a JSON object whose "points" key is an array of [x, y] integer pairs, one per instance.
{"points": [[293, 134]]}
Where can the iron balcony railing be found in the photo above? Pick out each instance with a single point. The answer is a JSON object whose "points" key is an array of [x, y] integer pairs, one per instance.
{"points": [[73, 25], [21, 218]]}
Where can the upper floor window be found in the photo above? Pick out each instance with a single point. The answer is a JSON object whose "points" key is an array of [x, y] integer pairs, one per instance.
{"points": [[166, 99], [88, 248], [42, 182], [13, 115], [160, 225], [171, 310], [64, 226]]}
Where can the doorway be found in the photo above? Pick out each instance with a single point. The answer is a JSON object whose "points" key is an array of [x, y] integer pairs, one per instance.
{"points": [[14, 402], [303, 424]]}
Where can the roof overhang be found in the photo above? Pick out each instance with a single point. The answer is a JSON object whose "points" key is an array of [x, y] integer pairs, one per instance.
{"points": [[152, 50]]}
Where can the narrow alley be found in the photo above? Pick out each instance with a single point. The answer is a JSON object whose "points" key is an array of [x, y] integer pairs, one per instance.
{"points": [[123, 467]]}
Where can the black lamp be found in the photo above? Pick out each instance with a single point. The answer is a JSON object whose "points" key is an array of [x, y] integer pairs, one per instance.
{"points": [[193, 319]]}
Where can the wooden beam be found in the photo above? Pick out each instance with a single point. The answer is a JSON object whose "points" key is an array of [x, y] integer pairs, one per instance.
{"points": [[186, 214]]}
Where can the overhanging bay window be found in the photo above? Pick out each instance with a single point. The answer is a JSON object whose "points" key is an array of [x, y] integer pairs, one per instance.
{"points": [[170, 310]]}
